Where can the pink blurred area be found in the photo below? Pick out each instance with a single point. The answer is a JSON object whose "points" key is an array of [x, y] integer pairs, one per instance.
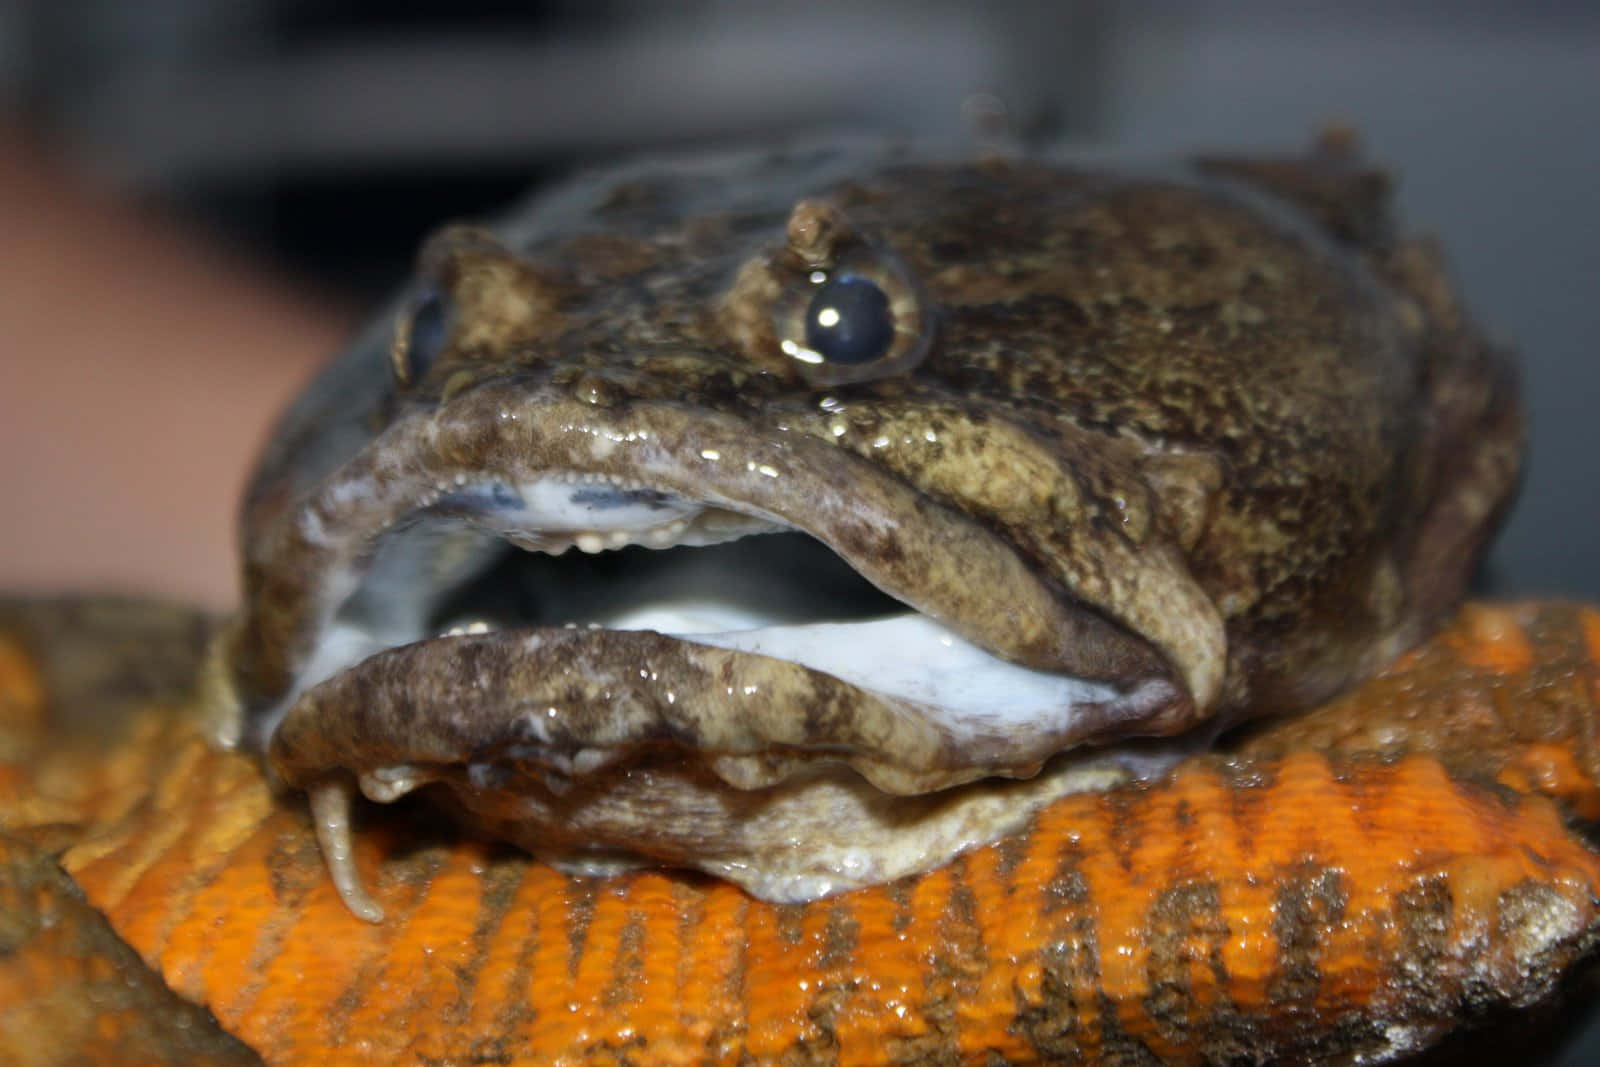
{"points": [[139, 372]]}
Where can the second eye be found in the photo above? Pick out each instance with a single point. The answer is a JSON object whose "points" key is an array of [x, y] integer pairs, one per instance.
{"points": [[421, 336]]}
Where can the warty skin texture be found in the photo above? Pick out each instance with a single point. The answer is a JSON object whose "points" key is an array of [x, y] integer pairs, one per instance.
{"points": [[1210, 434]]}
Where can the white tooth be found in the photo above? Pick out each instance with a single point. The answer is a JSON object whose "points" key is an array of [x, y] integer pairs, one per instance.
{"points": [[589, 760], [617, 538], [388, 784], [667, 534], [590, 543]]}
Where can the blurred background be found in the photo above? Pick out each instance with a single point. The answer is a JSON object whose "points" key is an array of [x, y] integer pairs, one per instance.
{"points": [[198, 199]]}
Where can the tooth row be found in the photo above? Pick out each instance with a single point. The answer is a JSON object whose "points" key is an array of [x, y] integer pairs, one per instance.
{"points": [[614, 481], [466, 626], [663, 536]]}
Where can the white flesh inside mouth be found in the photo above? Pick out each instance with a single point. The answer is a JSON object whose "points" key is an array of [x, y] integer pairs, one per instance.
{"points": [[731, 580], [767, 595]]}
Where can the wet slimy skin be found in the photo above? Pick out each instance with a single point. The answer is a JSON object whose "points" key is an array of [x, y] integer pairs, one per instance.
{"points": [[810, 516]]}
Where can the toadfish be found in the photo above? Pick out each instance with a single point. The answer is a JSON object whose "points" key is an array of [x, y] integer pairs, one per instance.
{"points": [[809, 515]]}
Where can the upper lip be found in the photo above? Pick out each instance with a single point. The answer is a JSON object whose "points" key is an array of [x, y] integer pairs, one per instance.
{"points": [[304, 564]]}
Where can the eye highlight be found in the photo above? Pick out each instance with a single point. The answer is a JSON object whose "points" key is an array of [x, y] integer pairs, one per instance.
{"points": [[849, 321], [859, 320], [420, 336]]}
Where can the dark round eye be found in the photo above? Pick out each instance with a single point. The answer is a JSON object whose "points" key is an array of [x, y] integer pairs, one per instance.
{"points": [[421, 336], [861, 319], [849, 321]]}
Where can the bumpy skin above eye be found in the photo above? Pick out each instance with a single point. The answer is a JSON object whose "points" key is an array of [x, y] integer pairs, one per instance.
{"points": [[1177, 445]]}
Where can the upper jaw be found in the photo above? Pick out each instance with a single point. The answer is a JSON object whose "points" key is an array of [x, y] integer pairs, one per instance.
{"points": [[709, 475]]}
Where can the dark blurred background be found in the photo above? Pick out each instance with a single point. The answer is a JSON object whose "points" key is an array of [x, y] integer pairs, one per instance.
{"points": [[325, 137]]}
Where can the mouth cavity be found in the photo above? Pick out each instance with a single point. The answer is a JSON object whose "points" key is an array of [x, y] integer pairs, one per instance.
{"points": [[769, 591], [792, 670], [581, 553], [496, 579]]}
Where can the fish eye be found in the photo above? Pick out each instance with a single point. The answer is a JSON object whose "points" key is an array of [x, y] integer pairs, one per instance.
{"points": [[849, 321], [420, 336], [859, 320]]}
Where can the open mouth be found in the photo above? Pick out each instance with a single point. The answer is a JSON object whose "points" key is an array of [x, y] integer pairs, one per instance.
{"points": [[578, 560], [748, 666], [590, 556]]}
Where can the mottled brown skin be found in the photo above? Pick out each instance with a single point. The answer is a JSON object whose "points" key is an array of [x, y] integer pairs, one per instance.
{"points": [[1209, 432], [1096, 324]]}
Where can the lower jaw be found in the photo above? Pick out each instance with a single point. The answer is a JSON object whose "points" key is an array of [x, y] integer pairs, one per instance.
{"points": [[779, 796], [826, 832], [785, 829]]}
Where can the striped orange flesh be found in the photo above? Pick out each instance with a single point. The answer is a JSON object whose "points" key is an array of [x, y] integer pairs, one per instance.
{"points": [[1354, 882]]}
